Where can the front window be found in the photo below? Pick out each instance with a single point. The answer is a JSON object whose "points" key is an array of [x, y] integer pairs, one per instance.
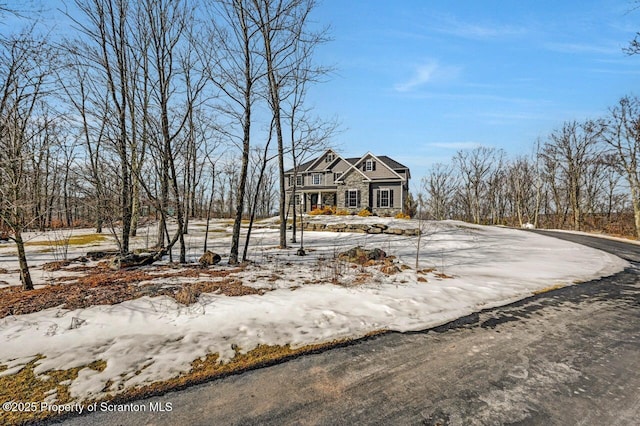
{"points": [[384, 198], [352, 198], [368, 165], [336, 176], [317, 179], [299, 180], [329, 158]]}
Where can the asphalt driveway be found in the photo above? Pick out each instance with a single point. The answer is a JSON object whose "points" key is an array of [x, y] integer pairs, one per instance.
{"points": [[567, 357]]}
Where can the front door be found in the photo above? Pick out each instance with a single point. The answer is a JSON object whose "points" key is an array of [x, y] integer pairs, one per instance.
{"points": [[314, 201]]}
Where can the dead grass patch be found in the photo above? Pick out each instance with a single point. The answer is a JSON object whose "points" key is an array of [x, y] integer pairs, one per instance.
{"points": [[74, 240], [389, 269], [548, 289], [442, 275], [209, 368], [25, 386], [105, 287], [55, 266], [188, 293], [362, 278]]}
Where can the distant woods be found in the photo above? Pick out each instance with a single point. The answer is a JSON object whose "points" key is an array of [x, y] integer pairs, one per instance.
{"points": [[582, 176], [156, 109]]}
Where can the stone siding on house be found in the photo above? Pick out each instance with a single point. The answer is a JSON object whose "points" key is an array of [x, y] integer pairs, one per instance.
{"points": [[353, 180]]}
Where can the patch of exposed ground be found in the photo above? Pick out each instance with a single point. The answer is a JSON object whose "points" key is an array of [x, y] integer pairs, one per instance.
{"points": [[53, 385], [25, 386], [101, 286]]}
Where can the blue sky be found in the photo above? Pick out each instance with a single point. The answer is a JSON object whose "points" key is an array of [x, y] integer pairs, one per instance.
{"points": [[418, 80]]}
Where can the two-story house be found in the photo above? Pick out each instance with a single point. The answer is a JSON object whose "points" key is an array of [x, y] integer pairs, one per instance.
{"points": [[378, 183]]}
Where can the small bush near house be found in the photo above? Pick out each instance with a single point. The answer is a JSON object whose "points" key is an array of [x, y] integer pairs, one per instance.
{"points": [[323, 211], [342, 213], [402, 216], [364, 213]]}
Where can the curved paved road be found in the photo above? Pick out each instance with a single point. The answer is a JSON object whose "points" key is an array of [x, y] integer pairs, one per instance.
{"points": [[567, 357]]}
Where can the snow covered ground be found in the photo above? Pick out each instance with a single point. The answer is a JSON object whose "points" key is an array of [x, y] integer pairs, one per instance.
{"points": [[312, 299]]}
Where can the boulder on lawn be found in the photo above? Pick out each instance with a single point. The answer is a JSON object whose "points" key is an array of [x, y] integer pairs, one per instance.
{"points": [[209, 258], [361, 256]]}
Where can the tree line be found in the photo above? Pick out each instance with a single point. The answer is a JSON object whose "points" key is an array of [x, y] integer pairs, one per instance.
{"points": [[583, 175], [172, 109]]}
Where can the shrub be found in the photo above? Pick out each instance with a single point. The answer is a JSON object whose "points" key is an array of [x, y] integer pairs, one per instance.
{"points": [[342, 213], [402, 216], [364, 213], [323, 211]]}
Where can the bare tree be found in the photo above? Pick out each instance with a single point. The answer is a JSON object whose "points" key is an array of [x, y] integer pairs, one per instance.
{"points": [[623, 137], [475, 168], [573, 148], [104, 48], [439, 186], [521, 191], [288, 42], [234, 68], [167, 23], [24, 76]]}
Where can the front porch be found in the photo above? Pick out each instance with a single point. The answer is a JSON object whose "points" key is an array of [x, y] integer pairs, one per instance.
{"points": [[313, 200]]}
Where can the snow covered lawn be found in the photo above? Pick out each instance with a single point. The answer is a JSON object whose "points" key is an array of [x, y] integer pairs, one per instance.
{"points": [[308, 300]]}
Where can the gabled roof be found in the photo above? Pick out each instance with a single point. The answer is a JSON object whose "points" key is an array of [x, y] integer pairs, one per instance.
{"points": [[390, 162], [391, 169], [352, 161], [393, 164], [302, 167], [317, 160], [309, 164]]}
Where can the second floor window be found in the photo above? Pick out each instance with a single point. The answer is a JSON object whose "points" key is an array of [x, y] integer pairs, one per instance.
{"points": [[299, 180], [369, 166], [317, 179]]}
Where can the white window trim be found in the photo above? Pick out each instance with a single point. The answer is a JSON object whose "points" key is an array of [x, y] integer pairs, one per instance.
{"points": [[354, 198], [388, 204], [299, 180], [318, 176], [368, 166]]}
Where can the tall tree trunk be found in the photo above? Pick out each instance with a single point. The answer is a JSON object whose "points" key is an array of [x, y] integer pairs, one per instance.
{"points": [[235, 237], [635, 200], [25, 275]]}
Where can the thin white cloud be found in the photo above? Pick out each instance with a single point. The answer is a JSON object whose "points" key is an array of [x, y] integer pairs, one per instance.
{"points": [[426, 73], [602, 49], [614, 71], [455, 145], [452, 26], [513, 116]]}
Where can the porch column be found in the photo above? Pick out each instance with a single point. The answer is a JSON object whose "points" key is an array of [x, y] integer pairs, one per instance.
{"points": [[319, 199]]}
